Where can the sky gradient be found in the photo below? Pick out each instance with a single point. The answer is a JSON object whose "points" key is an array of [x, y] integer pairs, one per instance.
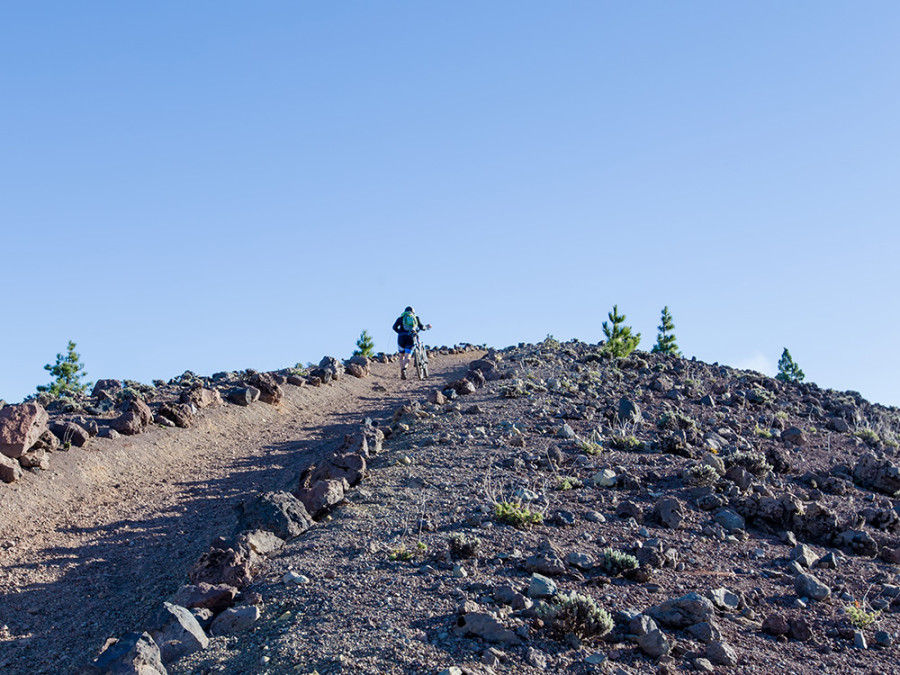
{"points": [[224, 185]]}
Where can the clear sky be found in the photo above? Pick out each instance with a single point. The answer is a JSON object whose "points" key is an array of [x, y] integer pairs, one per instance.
{"points": [[217, 185]]}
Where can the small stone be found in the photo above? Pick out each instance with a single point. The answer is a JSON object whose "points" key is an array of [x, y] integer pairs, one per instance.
{"points": [[721, 654], [459, 572], [654, 644], [596, 659], [234, 620], [859, 640], [702, 665], [883, 639], [807, 586], [541, 586], [293, 578], [604, 478]]}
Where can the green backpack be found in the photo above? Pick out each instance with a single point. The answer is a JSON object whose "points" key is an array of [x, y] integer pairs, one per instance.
{"points": [[409, 321]]}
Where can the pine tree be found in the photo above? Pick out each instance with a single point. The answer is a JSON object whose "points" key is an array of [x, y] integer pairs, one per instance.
{"points": [[665, 340], [365, 345], [69, 372], [620, 342], [788, 371]]}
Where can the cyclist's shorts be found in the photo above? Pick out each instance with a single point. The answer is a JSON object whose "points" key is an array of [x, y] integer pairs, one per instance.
{"points": [[406, 342]]}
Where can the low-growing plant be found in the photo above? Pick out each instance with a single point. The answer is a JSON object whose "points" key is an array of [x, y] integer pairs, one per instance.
{"points": [[579, 615], [614, 562], [869, 436], [588, 447], [675, 419], [755, 462], [462, 546], [403, 554], [564, 483], [701, 474], [517, 515], [761, 432], [628, 442], [859, 617]]}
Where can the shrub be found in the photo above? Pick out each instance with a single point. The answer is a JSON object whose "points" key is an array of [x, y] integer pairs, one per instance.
{"points": [[614, 562], [365, 346], [788, 371], [589, 447], [675, 419], [870, 437], [754, 462], [462, 546], [665, 340], [69, 372], [701, 474], [517, 515], [859, 617], [565, 483], [576, 614], [762, 433], [620, 341], [626, 443]]}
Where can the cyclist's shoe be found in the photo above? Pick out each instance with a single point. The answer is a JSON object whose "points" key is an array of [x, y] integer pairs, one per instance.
{"points": [[403, 373]]}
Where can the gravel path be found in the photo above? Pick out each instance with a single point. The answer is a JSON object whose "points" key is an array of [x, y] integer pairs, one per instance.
{"points": [[88, 548]]}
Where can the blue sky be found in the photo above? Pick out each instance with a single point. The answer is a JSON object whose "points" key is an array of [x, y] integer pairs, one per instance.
{"points": [[224, 185]]}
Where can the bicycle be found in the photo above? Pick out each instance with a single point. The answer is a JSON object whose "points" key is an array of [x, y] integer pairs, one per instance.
{"points": [[420, 356]]}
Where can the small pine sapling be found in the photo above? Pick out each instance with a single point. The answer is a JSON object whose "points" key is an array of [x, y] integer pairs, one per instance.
{"points": [[365, 346], [620, 341], [69, 372], [788, 371], [665, 339]]}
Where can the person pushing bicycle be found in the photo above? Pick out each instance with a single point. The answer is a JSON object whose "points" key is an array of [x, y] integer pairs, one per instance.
{"points": [[406, 326]]}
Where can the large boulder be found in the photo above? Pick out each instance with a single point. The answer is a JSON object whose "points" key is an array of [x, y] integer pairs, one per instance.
{"points": [[10, 469], [134, 654], [204, 595], [234, 620], [221, 565], [106, 389], [329, 369], [70, 434], [269, 390], [176, 631], [201, 397], [322, 495], [870, 472], [20, 427], [179, 413], [684, 611], [487, 368], [278, 512], [135, 416]]}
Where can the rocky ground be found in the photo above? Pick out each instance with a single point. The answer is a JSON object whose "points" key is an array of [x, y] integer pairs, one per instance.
{"points": [[555, 510]]}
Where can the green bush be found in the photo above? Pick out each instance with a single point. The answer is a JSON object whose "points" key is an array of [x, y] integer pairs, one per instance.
{"points": [[626, 443], [462, 546], [576, 614], [564, 483], [614, 562], [517, 515]]}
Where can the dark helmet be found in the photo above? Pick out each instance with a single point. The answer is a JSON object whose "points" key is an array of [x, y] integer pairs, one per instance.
{"points": [[410, 309]]}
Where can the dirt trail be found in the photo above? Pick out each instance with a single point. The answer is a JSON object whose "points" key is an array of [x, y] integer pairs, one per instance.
{"points": [[88, 548]]}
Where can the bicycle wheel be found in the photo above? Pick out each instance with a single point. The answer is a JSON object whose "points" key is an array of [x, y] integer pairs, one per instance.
{"points": [[417, 357]]}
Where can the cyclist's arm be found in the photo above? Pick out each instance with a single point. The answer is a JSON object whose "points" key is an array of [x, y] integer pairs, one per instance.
{"points": [[398, 325], [421, 325]]}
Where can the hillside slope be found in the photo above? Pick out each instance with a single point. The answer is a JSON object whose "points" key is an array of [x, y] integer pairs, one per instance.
{"points": [[725, 521]]}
